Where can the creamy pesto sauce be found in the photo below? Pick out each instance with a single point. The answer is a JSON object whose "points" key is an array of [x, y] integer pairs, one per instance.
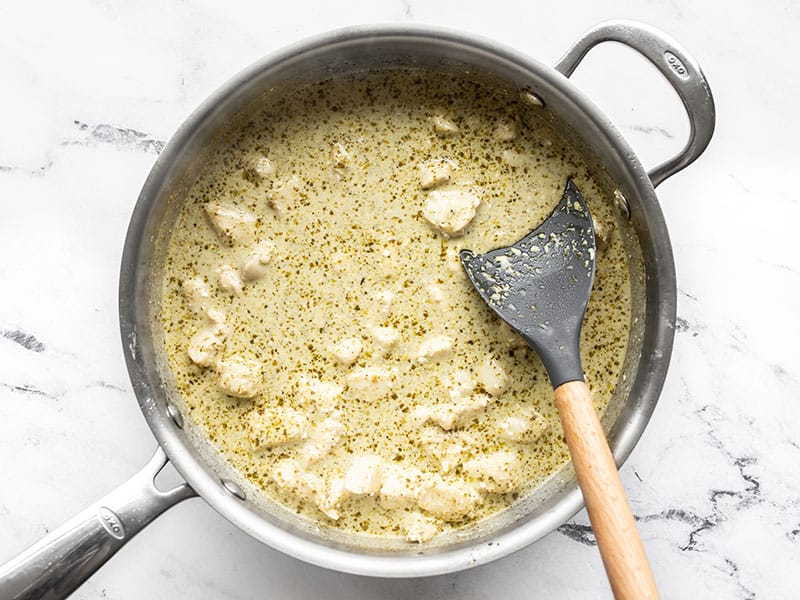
{"points": [[359, 232]]}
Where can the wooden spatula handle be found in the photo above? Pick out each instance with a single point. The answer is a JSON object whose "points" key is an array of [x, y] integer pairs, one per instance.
{"points": [[612, 521]]}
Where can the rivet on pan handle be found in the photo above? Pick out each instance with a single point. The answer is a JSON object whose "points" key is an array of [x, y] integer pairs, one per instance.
{"points": [[59, 563], [678, 67]]}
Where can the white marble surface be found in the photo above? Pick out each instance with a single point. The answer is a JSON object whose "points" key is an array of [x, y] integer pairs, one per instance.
{"points": [[89, 92]]}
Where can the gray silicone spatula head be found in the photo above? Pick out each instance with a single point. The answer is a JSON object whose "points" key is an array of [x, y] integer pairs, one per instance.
{"points": [[540, 285]]}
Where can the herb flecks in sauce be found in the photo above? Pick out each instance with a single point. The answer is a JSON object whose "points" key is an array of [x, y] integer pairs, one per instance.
{"points": [[368, 338]]}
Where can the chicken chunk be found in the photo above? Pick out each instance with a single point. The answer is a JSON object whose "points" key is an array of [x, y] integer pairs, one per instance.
{"points": [[386, 337], [434, 173], [291, 478], [531, 99], [232, 224], [341, 159], [492, 376], [322, 438], [497, 473], [320, 395], [450, 501], [347, 351], [338, 262], [399, 485], [255, 265], [453, 262], [239, 377], [505, 130], [263, 167], [444, 126], [215, 316], [602, 234], [286, 194], [449, 212], [434, 348], [514, 159], [450, 415], [363, 477], [331, 497], [436, 294], [524, 428], [460, 385], [206, 345], [420, 528], [270, 427], [448, 449], [384, 299], [197, 294], [327, 497], [370, 382], [229, 280]]}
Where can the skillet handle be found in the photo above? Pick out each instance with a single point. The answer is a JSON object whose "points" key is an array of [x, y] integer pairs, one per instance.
{"points": [[59, 563], [678, 67]]}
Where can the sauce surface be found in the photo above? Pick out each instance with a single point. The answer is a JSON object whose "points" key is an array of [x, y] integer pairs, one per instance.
{"points": [[362, 291]]}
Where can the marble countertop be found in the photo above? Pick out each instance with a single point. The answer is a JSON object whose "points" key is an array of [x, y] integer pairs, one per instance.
{"points": [[92, 90]]}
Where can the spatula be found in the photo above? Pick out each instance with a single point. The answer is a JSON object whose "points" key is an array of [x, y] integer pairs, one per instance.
{"points": [[540, 286]]}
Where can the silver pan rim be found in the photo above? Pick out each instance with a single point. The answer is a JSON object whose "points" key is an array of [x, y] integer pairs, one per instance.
{"points": [[623, 436]]}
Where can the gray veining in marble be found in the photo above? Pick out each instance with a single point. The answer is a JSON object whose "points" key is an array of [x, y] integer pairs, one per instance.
{"points": [[91, 92]]}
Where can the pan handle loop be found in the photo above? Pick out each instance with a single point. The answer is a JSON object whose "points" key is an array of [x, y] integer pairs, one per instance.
{"points": [[57, 564], [678, 67]]}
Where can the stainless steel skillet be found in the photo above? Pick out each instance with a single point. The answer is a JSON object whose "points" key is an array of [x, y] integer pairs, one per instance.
{"points": [[59, 563]]}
